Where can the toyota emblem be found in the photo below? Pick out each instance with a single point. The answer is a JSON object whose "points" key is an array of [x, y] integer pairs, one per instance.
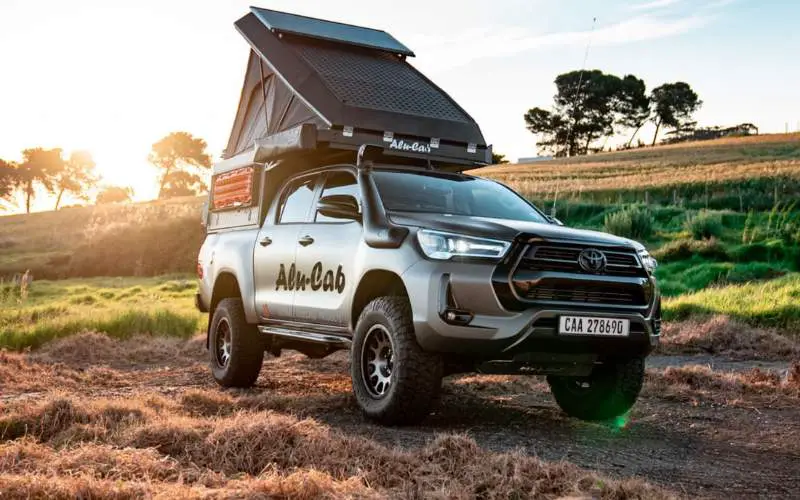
{"points": [[592, 260]]}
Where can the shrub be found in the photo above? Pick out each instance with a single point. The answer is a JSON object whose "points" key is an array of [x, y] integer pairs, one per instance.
{"points": [[685, 249], [754, 271], [704, 225], [767, 251], [630, 222]]}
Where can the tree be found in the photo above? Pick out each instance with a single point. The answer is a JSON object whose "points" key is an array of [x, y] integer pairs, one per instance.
{"points": [[114, 194], [551, 126], [181, 158], [76, 176], [38, 168], [498, 159], [633, 106], [586, 106], [673, 106], [181, 183], [8, 180]]}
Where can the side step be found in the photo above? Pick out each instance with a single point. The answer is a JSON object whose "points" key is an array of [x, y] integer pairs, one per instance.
{"points": [[315, 341]]}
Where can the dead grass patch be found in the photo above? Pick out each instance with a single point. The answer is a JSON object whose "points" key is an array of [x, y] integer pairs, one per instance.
{"points": [[91, 348], [721, 335], [19, 374], [123, 447], [687, 382]]}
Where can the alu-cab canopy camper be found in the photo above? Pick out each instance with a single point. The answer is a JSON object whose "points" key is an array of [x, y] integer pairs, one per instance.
{"points": [[315, 92]]}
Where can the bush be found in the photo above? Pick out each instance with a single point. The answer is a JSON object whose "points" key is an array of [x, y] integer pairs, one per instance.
{"points": [[754, 271], [704, 225], [767, 251], [677, 250], [630, 222]]}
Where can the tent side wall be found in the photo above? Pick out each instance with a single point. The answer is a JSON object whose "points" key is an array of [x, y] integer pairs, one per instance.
{"points": [[253, 119]]}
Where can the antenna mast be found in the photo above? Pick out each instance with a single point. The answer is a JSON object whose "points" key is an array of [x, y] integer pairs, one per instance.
{"points": [[580, 83]]}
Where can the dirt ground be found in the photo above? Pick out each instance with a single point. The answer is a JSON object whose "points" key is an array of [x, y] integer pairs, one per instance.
{"points": [[697, 431]]}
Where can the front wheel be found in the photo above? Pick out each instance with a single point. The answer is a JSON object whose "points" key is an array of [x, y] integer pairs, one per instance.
{"points": [[610, 391], [235, 348], [394, 380]]}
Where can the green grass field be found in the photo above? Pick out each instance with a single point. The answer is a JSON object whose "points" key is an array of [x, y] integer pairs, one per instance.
{"points": [[119, 307], [722, 217]]}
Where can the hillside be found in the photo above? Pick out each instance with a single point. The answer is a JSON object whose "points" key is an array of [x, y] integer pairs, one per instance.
{"points": [[731, 173], [141, 239]]}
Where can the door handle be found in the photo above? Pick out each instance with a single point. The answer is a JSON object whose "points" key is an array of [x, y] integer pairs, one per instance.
{"points": [[266, 240], [306, 240]]}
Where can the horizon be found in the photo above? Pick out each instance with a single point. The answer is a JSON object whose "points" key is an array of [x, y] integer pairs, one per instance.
{"points": [[105, 88]]}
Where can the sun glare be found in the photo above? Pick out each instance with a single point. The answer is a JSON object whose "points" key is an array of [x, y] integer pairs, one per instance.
{"points": [[113, 91]]}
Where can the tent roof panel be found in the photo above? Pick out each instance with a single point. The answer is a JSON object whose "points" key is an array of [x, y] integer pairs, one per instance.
{"points": [[329, 30]]}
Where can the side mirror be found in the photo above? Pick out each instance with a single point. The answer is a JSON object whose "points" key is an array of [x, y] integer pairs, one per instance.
{"points": [[553, 220], [339, 206]]}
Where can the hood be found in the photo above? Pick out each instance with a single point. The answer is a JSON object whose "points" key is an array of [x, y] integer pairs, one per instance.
{"points": [[508, 230]]}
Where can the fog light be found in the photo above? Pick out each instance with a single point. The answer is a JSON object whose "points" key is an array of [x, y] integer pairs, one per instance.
{"points": [[457, 317]]}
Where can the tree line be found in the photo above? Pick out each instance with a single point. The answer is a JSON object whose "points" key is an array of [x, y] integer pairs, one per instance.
{"points": [[179, 157], [592, 105]]}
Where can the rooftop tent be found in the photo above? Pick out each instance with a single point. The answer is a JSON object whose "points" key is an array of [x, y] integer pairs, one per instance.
{"points": [[319, 85]]}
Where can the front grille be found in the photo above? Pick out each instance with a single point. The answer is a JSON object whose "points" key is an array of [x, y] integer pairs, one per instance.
{"points": [[592, 294], [565, 259]]}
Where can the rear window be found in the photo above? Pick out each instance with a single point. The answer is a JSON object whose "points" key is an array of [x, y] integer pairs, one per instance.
{"points": [[297, 201]]}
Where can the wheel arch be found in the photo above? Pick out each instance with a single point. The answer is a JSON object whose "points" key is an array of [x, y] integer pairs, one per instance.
{"points": [[226, 286], [373, 284]]}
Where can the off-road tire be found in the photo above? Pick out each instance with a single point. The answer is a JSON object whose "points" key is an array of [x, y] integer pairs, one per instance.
{"points": [[416, 375], [612, 390], [246, 346]]}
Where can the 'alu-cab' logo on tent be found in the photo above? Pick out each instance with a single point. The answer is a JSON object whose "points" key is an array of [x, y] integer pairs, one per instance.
{"points": [[417, 147]]}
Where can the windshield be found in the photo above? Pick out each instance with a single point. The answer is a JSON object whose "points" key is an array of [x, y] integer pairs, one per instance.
{"points": [[443, 193]]}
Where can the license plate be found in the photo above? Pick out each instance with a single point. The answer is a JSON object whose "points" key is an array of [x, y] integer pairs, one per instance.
{"points": [[585, 325]]}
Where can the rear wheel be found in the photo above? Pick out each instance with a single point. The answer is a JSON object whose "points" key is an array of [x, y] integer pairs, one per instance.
{"points": [[394, 380], [610, 391], [236, 350]]}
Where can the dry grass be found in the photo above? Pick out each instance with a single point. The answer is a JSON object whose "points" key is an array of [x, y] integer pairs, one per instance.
{"points": [[701, 382], [718, 161], [134, 450], [546, 179], [133, 439], [721, 335]]}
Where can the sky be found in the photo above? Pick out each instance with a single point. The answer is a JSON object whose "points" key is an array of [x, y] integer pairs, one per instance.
{"points": [[113, 77]]}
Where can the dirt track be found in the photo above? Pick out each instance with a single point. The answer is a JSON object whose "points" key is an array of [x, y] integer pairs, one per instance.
{"points": [[689, 440]]}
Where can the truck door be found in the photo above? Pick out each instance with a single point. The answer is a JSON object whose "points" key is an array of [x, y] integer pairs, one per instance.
{"points": [[327, 256], [276, 277]]}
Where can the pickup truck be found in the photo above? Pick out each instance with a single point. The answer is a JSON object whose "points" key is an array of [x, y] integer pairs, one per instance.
{"points": [[415, 268]]}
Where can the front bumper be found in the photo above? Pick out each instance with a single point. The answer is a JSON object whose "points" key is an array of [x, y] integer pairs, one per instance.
{"points": [[497, 331]]}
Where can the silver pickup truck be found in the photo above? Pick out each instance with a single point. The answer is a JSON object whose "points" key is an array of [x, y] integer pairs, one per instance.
{"points": [[323, 238]]}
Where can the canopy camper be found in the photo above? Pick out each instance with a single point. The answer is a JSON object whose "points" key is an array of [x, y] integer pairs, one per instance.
{"points": [[316, 92]]}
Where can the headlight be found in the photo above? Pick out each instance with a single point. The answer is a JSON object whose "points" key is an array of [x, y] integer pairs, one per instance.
{"points": [[443, 246], [650, 264]]}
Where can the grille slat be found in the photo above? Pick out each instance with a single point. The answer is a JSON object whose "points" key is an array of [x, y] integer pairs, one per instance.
{"points": [[565, 259], [585, 294]]}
